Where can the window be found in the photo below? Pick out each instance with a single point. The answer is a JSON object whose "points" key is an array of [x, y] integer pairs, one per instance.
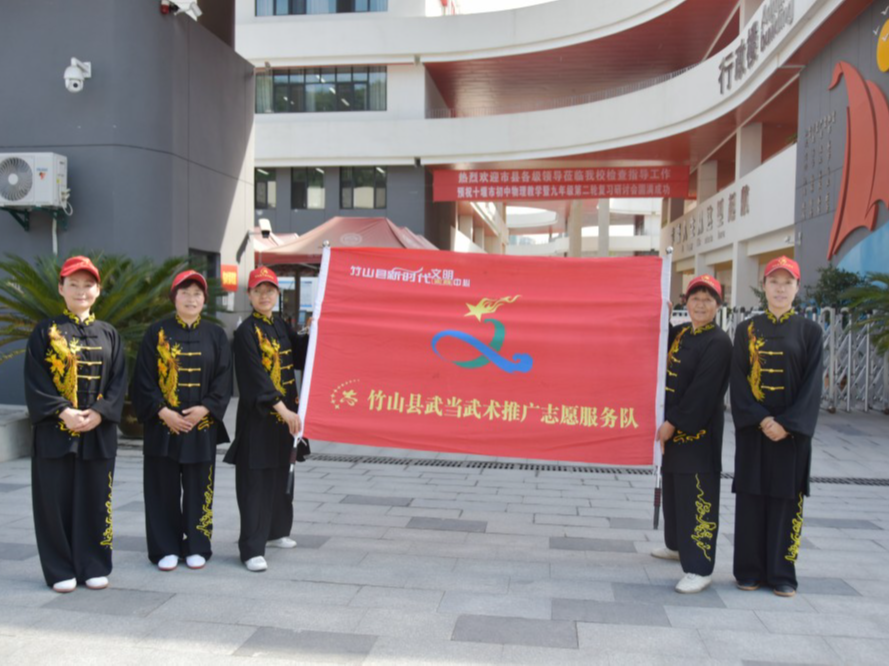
{"points": [[265, 189], [311, 90], [307, 188], [284, 7], [363, 187], [207, 263]]}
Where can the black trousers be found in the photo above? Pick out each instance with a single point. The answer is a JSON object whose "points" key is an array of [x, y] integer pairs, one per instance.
{"points": [[767, 539], [265, 505], [178, 507], [72, 516], [691, 519]]}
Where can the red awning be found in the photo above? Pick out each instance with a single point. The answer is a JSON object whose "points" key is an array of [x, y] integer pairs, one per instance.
{"points": [[341, 232]]}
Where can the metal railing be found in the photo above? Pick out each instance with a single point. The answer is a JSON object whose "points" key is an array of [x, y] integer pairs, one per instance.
{"points": [[856, 377], [556, 102]]}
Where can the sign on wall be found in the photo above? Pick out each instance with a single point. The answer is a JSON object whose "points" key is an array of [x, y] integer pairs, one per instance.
{"points": [[558, 184]]}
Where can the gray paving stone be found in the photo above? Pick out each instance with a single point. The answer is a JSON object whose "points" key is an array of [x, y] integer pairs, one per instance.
{"points": [[459, 581], [17, 551], [389, 651], [563, 589], [310, 541], [573, 543], [705, 619], [823, 624], [840, 523], [397, 598], [136, 544], [654, 641], [134, 507], [110, 602], [409, 625], [307, 646], [9, 487], [665, 596], [198, 638], [515, 631], [469, 603], [447, 524], [610, 612], [631, 523], [861, 651], [377, 501], [766, 647], [827, 586]]}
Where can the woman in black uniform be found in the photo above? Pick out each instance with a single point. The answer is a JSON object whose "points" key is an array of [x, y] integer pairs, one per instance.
{"points": [[181, 388], [75, 380], [776, 394], [267, 351], [691, 436]]}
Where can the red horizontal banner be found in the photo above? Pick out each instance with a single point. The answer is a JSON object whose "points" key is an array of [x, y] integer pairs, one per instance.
{"points": [[548, 184], [544, 358]]}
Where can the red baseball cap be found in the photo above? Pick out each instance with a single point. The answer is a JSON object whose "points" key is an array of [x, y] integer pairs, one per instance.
{"points": [[706, 281], [782, 263], [260, 275], [189, 275], [79, 263]]}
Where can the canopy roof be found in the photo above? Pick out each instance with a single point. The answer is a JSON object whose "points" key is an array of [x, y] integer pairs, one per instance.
{"points": [[339, 232]]}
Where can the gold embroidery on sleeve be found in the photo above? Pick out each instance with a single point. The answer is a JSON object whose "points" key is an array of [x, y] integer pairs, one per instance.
{"points": [[168, 368], [795, 533], [754, 344], [683, 437], [674, 349], [703, 532], [271, 359], [62, 359]]}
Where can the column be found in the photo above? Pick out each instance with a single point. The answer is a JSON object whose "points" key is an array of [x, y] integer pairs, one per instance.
{"points": [[604, 223], [745, 276], [575, 229], [707, 180], [464, 225], [748, 149]]}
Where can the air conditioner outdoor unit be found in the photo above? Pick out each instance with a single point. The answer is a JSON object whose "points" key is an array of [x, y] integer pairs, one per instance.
{"points": [[30, 180]]}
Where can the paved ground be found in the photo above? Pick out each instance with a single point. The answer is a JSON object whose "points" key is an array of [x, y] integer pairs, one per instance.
{"points": [[412, 564]]}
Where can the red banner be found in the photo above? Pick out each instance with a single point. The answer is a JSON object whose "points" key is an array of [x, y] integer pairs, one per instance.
{"points": [[549, 184], [545, 358], [229, 277]]}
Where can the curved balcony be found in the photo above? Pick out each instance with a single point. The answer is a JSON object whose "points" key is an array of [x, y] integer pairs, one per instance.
{"points": [[382, 38], [685, 102]]}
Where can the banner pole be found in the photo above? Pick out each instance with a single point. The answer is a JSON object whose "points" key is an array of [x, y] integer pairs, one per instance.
{"points": [[306, 387], [666, 274]]}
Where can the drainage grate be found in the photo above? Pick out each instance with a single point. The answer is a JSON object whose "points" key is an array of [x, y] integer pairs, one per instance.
{"points": [[541, 467]]}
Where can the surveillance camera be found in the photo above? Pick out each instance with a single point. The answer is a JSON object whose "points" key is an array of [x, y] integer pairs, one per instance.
{"points": [[76, 74], [265, 227]]}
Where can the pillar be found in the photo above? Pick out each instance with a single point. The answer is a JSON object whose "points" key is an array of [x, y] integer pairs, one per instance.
{"points": [[464, 225], [748, 149], [707, 180], [575, 229], [604, 223], [745, 276]]}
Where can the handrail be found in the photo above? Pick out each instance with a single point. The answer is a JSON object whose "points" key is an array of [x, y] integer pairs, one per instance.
{"points": [[558, 102]]}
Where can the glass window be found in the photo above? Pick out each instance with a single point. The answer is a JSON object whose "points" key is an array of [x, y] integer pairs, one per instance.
{"points": [[321, 90], [282, 7], [265, 189], [363, 187], [265, 7], [307, 188]]}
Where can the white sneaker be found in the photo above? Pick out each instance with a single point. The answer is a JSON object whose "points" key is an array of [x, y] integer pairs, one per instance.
{"points": [[195, 561], [168, 563], [692, 583], [257, 563], [65, 586], [97, 583], [283, 542], [665, 553]]}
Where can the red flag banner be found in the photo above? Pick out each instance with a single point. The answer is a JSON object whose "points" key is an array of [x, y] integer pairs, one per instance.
{"points": [[549, 358], [550, 184]]}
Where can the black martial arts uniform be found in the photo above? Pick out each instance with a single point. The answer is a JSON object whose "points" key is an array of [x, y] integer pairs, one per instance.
{"points": [[776, 371], [267, 352], [76, 364], [698, 366], [181, 366]]}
